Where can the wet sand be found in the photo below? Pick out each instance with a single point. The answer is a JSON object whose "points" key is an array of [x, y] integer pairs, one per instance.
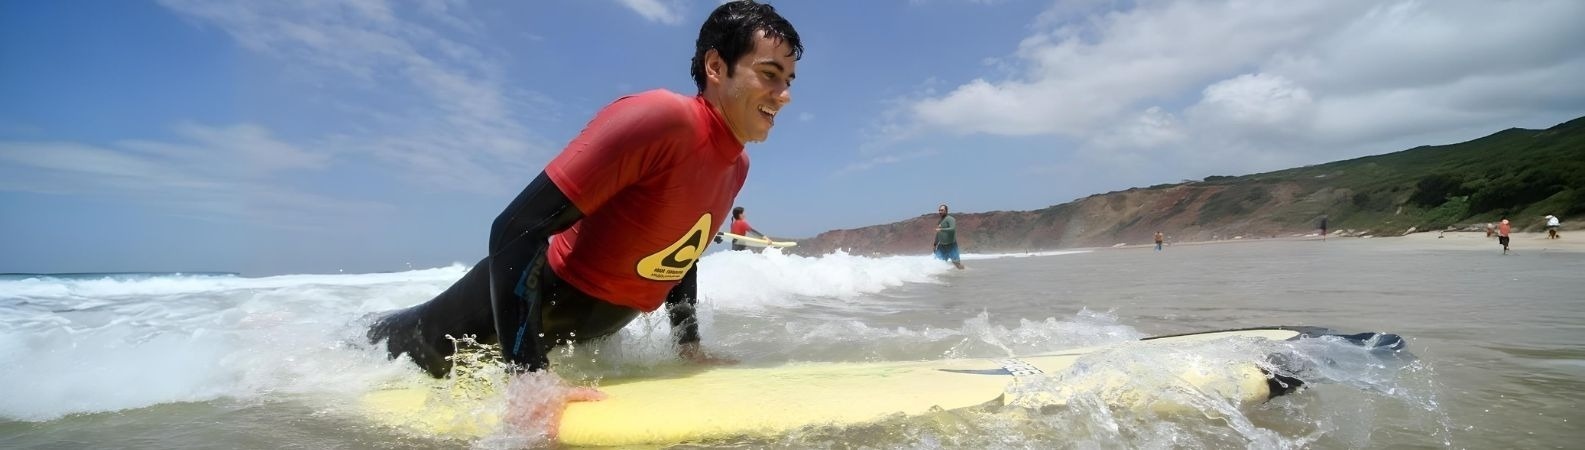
{"points": [[1518, 242], [1430, 240]]}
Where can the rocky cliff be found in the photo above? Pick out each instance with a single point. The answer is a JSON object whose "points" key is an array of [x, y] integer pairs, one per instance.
{"points": [[1512, 173], [1190, 212]]}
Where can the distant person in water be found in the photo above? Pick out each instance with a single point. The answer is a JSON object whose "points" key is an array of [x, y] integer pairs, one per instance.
{"points": [[1502, 234], [1323, 228], [1552, 225], [947, 238], [615, 224], [1159, 238], [741, 227]]}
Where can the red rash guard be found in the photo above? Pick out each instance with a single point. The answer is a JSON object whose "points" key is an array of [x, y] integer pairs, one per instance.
{"points": [[740, 227], [654, 175]]}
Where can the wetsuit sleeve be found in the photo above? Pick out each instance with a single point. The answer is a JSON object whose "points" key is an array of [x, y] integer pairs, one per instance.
{"points": [[632, 137], [539, 211], [681, 304], [518, 240]]}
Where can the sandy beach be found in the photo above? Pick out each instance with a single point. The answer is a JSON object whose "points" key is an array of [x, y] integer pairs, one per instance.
{"points": [[1451, 240], [1519, 242]]}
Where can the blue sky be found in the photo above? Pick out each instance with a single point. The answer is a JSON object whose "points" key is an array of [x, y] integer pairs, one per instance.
{"points": [[302, 136]]}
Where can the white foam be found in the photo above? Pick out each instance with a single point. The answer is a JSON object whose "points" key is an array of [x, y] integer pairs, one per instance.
{"points": [[747, 280], [91, 345], [1022, 254], [72, 345], [45, 287]]}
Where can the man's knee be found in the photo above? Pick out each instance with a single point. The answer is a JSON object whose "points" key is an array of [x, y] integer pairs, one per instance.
{"points": [[403, 333]]}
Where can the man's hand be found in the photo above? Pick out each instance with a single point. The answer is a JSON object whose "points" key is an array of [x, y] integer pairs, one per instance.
{"points": [[693, 353], [536, 400]]}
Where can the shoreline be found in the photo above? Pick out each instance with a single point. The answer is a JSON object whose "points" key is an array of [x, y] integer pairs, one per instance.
{"points": [[1449, 240], [1518, 242]]}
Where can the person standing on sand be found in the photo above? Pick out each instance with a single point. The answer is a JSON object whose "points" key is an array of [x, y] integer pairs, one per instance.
{"points": [[1323, 228], [947, 238], [1502, 235], [1551, 227], [1159, 238]]}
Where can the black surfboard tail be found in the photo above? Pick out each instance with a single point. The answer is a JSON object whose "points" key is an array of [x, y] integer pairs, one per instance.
{"points": [[1387, 346]]}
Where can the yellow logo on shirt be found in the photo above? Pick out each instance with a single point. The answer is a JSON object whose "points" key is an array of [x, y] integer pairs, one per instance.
{"points": [[673, 262]]}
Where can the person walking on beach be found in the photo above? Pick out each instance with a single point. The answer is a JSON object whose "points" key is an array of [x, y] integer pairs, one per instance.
{"points": [[947, 238], [614, 226], [1551, 227], [1159, 238], [1323, 228], [1502, 234]]}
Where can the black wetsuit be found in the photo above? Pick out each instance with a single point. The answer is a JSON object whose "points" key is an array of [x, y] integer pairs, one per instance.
{"points": [[512, 296]]}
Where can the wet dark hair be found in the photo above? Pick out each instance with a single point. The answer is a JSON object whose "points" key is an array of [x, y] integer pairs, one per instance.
{"points": [[730, 32], [737, 213]]}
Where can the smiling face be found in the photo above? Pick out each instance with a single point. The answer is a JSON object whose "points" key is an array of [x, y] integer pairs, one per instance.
{"points": [[759, 86]]}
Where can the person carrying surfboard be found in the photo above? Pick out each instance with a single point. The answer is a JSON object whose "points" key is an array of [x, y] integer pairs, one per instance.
{"points": [[614, 226], [741, 227], [947, 238]]}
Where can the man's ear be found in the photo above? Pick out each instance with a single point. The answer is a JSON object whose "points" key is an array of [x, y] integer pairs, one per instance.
{"points": [[714, 66]]}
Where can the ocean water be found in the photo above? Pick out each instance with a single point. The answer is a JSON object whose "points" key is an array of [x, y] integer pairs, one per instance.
{"points": [[222, 361]]}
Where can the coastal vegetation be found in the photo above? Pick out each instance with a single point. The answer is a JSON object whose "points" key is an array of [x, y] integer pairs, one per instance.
{"points": [[1517, 174]]}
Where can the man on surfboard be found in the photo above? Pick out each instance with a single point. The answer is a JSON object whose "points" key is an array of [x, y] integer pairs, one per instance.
{"points": [[615, 224]]}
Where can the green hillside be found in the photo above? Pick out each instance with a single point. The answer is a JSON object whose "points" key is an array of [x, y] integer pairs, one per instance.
{"points": [[1519, 174], [1516, 173]]}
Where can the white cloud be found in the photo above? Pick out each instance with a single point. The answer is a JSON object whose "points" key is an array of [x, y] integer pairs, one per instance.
{"points": [[884, 160], [656, 10], [1081, 75], [462, 125], [101, 168], [1411, 44], [979, 2], [216, 173], [1254, 99], [1230, 85], [247, 149], [1153, 128]]}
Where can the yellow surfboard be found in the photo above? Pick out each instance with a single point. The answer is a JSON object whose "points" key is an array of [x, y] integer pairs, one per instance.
{"points": [[752, 241], [723, 402]]}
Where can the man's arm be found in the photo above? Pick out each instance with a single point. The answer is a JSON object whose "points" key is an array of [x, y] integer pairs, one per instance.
{"points": [[518, 240], [681, 307], [540, 209], [947, 224]]}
